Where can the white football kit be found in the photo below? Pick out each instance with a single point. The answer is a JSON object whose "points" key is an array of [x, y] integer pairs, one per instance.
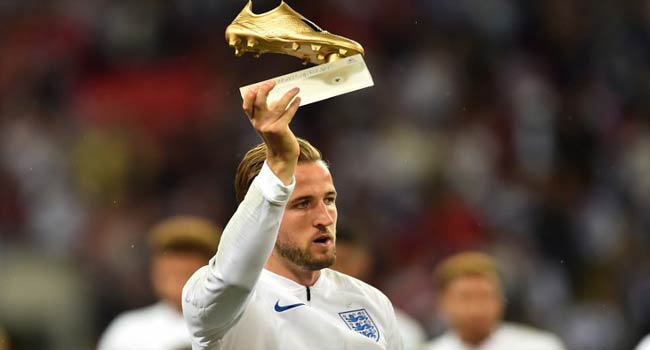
{"points": [[155, 327], [233, 303], [507, 336]]}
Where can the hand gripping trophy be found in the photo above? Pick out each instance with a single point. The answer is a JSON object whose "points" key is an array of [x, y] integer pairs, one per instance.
{"points": [[340, 67]]}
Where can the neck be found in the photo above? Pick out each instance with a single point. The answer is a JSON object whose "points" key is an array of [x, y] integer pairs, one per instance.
{"points": [[287, 269], [473, 342], [475, 339]]}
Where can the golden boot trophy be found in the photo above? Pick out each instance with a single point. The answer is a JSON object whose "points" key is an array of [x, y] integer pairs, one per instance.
{"points": [[340, 69], [283, 30]]}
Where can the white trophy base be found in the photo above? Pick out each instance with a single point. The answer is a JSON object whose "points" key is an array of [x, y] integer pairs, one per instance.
{"points": [[321, 82]]}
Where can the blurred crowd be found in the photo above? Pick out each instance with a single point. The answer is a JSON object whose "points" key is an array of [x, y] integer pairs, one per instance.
{"points": [[521, 128]]}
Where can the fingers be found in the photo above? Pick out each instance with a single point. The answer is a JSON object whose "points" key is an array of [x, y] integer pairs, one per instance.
{"points": [[263, 94], [282, 104], [249, 100], [291, 111], [255, 102]]}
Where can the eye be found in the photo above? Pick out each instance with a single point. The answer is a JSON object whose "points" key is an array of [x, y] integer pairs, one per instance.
{"points": [[302, 204], [330, 200]]}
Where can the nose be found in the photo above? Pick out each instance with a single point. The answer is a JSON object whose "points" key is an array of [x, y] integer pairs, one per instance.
{"points": [[324, 216]]}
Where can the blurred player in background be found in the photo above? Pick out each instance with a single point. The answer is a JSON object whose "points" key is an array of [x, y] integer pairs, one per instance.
{"points": [[355, 258], [179, 245], [472, 304], [644, 344]]}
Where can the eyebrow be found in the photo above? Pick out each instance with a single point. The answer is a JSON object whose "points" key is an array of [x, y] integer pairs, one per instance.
{"points": [[302, 198]]}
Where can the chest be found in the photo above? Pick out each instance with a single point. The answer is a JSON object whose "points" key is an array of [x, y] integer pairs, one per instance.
{"points": [[312, 319]]}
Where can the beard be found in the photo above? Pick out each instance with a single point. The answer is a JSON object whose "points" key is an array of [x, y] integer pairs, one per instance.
{"points": [[302, 257]]}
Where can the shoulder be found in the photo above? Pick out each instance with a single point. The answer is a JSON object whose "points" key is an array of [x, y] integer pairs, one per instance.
{"points": [[136, 316], [128, 325], [531, 335], [443, 342], [409, 327], [350, 284], [644, 344]]}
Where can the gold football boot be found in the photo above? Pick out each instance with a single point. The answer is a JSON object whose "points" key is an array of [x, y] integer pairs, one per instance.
{"points": [[283, 30]]}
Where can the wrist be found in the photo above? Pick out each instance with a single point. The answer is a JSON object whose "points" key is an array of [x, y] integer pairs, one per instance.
{"points": [[283, 168]]}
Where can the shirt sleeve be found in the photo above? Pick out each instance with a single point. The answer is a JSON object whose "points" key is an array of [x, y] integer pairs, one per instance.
{"points": [[216, 296]]}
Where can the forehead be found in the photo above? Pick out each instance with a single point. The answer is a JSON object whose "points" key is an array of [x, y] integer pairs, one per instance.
{"points": [[472, 282], [312, 178], [181, 258]]}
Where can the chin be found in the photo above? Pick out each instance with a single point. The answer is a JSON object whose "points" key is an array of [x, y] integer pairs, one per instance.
{"points": [[319, 264], [478, 335]]}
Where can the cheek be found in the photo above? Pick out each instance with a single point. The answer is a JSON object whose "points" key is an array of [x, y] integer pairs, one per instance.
{"points": [[290, 223], [170, 278], [496, 309], [454, 308], [293, 218]]}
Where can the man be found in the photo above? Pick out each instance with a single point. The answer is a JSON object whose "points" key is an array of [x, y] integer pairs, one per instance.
{"points": [[472, 304], [180, 245], [268, 286], [355, 258]]}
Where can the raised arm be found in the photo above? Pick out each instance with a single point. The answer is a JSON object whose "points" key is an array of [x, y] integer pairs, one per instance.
{"points": [[216, 296]]}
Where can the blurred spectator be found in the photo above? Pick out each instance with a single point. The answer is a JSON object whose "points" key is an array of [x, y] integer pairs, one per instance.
{"points": [[43, 300], [355, 257], [593, 325], [34, 154], [472, 303], [4, 339], [179, 245]]}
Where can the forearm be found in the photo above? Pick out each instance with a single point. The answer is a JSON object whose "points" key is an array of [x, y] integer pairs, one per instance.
{"points": [[250, 235], [216, 295]]}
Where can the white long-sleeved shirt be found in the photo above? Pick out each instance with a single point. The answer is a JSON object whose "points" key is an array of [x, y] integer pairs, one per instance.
{"points": [[507, 336], [155, 327], [234, 303]]}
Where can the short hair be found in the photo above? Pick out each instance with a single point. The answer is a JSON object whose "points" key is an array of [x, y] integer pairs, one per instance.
{"points": [[252, 163], [465, 264], [184, 234]]}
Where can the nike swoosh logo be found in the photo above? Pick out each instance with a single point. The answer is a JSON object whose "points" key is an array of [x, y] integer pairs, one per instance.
{"points": [[280, 308]]}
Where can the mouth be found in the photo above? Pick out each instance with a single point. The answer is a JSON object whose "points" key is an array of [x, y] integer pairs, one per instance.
{"points": [[323, 240]]}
